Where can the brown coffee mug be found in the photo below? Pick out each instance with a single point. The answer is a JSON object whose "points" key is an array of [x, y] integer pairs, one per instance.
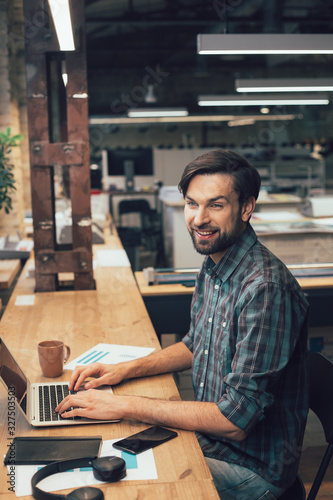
{"points": [[53, 354]]}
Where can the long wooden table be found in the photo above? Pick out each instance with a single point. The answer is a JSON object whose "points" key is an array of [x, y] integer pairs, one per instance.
{"points": [[169, 305], [113, 313], [8, 271]]}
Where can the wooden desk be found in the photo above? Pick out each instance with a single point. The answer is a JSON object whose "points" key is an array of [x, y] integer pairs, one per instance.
{"points": [[8, 271], [113, 313], [178, 289], [169, 305]]}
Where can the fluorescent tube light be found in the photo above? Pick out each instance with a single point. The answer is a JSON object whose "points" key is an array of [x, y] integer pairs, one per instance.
{"points": [[284, 43], [156, 112], [284, 85], [63, 25], [267, 100]]}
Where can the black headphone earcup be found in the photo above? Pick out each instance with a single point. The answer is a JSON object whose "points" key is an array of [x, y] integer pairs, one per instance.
{"points": [[86, 493], [109, 469]]}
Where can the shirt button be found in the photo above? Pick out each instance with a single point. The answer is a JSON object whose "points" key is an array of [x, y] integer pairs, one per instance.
{"points": [[224, 324], [216, 287], [210, 320], [201, 384], [206, 351]]}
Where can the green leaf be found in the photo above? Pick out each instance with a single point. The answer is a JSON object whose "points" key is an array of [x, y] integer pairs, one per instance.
{"points": [[7, 179]]}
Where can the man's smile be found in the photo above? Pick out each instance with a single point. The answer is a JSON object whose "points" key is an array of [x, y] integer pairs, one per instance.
{"points": [[204, 235]]}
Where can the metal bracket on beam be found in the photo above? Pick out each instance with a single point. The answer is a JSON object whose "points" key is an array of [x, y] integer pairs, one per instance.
{"points": [[64, 153]]}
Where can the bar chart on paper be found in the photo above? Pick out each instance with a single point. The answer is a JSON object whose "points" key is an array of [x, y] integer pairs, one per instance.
{"points": [[110, 354]]}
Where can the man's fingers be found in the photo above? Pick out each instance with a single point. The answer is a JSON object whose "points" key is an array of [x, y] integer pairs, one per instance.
{"points": [[96, 382], [79, 375]]}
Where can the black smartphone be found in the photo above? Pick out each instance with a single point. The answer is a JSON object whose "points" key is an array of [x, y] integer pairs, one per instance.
{"points": [[144, 440]]}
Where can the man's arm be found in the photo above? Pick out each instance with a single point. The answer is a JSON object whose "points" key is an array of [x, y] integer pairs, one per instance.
{"points": [[189, 415], [175, 358]]}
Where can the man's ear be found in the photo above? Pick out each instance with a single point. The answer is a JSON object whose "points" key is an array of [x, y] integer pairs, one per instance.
{"points": [[248, 208]]}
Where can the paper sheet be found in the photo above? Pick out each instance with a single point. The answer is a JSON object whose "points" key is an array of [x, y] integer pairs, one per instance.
{"points": [[112, 258], [139, 467], [277, 216], [110, 354], [25, 300]]}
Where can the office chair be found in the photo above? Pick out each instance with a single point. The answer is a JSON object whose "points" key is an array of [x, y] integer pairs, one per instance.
{"points": [[295, 492], [150, 225], [321, 403], [138, 206]]}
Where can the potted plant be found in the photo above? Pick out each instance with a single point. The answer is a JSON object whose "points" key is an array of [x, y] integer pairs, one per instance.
{"points": [[7, 181]]}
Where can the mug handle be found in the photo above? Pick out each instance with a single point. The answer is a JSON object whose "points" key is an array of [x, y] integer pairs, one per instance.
{"points": [[68, 353]]}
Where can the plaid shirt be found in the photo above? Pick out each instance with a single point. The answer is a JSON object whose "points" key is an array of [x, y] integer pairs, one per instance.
{"points": [[248, 337]]}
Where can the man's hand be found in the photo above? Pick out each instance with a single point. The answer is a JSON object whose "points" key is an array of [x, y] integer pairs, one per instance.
{"points": [[174, 358], [106, 375], [92, 403]]}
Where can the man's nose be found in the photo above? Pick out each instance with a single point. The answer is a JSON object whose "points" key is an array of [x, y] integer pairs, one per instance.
{"points": [[201, 217]]}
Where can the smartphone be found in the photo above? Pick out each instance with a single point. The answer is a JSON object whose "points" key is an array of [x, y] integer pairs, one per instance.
{"points": [[144, 440]]}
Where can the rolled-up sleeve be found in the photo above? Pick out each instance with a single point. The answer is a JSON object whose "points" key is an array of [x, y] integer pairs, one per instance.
{"points": [[267, 334]]}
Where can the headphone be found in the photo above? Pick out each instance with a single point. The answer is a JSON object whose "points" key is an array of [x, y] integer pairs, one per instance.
{"points": [[110, 469]]}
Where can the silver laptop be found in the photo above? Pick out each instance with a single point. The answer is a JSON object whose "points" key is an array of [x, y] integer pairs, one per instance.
{"points": [[37, 401]]}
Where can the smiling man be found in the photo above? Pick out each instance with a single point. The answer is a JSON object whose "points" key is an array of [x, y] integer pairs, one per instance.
{"points": [[246, 345], [213, 215]]}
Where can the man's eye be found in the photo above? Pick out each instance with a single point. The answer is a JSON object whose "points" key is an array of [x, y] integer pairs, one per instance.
{"points": [[190, 203], [217, 205]]}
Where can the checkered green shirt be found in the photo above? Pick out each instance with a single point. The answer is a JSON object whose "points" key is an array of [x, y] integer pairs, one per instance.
{"points": [[248, 336]]}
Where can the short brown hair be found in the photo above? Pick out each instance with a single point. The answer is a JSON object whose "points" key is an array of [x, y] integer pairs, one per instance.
{"points": [[246, 178]]}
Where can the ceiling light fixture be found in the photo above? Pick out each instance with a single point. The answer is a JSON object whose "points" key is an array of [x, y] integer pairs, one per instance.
{"points": [[266, 100], [284, 85], [156, 112], [63, 25], [150, 97], [284, 43], [64, 73]]}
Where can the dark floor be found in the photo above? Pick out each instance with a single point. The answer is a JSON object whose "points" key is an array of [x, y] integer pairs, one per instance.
{"points": [[314, 446]]}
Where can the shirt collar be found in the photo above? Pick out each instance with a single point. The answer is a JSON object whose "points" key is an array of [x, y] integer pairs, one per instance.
{"points": [[234, 255]]}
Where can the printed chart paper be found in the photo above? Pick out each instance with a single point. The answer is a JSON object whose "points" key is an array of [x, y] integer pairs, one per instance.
{"points": [[110, 354]]}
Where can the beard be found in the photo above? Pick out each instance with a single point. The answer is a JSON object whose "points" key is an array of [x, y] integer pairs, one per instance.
{"points": [[221, 243]]}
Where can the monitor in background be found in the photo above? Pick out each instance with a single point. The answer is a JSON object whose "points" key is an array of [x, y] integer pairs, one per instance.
{"points": [[128, 163]]}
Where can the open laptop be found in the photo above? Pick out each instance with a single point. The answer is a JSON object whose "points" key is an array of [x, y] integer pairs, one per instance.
{"points": [[36, 401]]}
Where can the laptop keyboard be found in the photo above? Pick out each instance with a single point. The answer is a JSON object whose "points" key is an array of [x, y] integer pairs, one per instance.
{"points": [[49, 398]]}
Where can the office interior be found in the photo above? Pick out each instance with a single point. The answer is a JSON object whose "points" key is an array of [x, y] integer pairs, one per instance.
{"points": [[142, 55]]}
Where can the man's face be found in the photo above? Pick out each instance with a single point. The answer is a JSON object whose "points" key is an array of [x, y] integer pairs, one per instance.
{"points": [[213, 215]]}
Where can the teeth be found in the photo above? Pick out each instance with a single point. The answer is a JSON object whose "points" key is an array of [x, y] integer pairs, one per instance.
{"points": [[206, 233]]}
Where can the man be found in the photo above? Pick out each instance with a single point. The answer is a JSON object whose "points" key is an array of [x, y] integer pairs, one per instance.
{"points": [[246, 345]]}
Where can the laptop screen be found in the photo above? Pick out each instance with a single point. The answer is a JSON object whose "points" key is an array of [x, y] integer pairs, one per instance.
{"points": [[12, 376]]}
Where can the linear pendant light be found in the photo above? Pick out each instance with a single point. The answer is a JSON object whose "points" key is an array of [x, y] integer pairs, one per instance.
{"points": [[156, 112], [284, 43], [265, 100], [284, 84], [63, 25]]}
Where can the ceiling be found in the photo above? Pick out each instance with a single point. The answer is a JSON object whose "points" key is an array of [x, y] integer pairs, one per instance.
{"points": [[131, 43]]}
